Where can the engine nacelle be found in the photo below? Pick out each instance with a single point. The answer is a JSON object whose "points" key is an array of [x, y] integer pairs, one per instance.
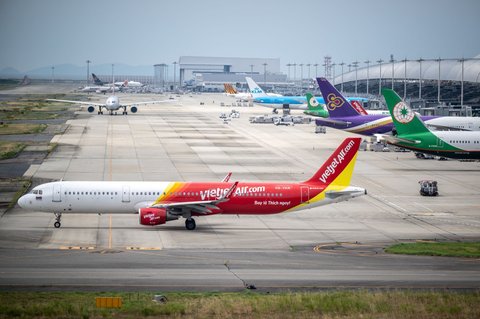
{"points": [[154, 216], [91, 109], [133, 109]]}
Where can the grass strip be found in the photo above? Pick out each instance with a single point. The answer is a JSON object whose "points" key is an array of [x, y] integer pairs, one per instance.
{"points": [[10, 149], [447, 249], [339, 304], [9, 129]]}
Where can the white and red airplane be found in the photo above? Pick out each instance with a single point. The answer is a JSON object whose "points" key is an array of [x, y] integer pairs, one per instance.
{"points": [[159, 202]]}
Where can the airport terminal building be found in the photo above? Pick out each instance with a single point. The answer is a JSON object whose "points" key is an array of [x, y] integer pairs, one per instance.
{"points": [[214, 71]]}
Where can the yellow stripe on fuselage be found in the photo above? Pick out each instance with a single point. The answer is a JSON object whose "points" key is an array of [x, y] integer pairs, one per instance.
{"points": [[171, 188]]}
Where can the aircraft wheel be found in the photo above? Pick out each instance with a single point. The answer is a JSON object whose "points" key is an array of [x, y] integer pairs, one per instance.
{"points": [[57, 224], [190, 224]]}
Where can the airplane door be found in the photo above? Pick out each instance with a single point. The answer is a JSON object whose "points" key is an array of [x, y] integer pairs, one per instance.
{"points": [[304, 194], [57, 193], [439, 142], [126, 194]]}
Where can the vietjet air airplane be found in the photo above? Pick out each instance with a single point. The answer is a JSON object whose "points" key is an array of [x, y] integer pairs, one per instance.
{"points": [[159, 202]]}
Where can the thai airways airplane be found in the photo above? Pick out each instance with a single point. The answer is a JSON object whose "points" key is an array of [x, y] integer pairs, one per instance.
{"points": [[350, 117], [413, 134], [125, 83], [159, 202], [282, 102]]}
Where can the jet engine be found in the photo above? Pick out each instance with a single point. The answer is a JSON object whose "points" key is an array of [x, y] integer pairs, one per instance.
{"points": [[154, 216], [133, 109], [91, 109]]}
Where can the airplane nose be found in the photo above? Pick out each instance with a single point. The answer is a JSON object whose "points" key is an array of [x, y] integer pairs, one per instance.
{"points": [[22, 201]]}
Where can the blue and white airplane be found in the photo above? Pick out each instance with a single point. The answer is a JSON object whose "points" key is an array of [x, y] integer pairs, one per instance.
{"points": [[277, 101]]}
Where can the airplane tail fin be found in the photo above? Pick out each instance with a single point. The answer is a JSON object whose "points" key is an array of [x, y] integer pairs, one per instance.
{"points": [[96, 80], [337, 105], [404, 118], [255, 90], [229, 89], [316, 107], [338, 168]]}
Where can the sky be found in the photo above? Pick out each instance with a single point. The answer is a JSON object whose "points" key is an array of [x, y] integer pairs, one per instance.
{"points": [[39, 33]]}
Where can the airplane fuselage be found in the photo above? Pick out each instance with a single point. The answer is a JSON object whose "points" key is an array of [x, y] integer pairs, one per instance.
{"points": [[129, 197]]}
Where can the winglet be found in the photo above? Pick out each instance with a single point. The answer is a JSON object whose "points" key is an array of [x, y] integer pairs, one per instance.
{"points": [[338, 168], [229, 193], [227, 177]]}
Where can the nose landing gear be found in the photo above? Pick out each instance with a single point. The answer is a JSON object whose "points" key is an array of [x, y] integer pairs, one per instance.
{"points": [[58, 217]]}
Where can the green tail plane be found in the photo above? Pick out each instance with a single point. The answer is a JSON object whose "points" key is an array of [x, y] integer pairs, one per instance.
{"points": [[315, 108], [413, 134]]}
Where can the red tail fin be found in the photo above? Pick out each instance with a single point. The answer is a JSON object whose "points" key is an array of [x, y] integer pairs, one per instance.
{"points": [[337, 163]]}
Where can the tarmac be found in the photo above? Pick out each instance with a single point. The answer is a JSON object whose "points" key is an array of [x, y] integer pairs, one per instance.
{"points": [[333, 246]]}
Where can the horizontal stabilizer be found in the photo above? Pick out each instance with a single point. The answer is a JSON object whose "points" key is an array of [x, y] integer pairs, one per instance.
{"points": [[394, 140]]}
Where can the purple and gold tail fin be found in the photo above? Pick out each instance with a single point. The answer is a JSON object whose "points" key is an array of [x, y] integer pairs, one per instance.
{"points": [[337, 105]]}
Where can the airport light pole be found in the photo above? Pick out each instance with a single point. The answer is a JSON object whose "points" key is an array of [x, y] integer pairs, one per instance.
{"points": [[368, 72], [288, 66], [355, 64], [462, 60], [316, 70], [174, 74], [88, 71], [405, 79], [294, 72], [265, 74], [53, 74], [392, 60], [380, 79], [342, 64], [439, 60], [420, 79], [301, 75], [308, 70]]}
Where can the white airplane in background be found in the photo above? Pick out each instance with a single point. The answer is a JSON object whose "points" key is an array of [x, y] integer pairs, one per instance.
{"points": [[112, 104], [128, 83]]}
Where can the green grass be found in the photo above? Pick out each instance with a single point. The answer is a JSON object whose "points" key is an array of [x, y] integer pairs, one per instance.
{"points": [[449, 249], [343, 304], [13, 128], [10, 149]]}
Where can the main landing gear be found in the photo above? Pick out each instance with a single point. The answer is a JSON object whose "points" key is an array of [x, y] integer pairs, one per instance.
{"points": [[57, 223], [190, 223]]}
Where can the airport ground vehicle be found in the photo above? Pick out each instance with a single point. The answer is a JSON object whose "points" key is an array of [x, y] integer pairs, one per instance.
{"points": [[428, 188]]}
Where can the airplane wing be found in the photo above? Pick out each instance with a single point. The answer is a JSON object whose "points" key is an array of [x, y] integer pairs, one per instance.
{"points": [[147, 102], [444, 127], [76, 102], [395, 139], [201, 207]]}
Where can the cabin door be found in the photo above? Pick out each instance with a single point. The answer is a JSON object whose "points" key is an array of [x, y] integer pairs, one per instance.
{"points": [[304, 194], [57, 193], [126, 194]]}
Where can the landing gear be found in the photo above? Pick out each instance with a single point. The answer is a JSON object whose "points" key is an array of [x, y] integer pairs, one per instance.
{"points": [[125, 111], [57, 223], [190, 224]]}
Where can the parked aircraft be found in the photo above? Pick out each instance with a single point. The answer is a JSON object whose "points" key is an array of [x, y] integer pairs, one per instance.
{"points": [[125, 83], [350, 117], [282, 102], [413, 134], [231, 91], [112, 104], [159, 202], [315, 108]]}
